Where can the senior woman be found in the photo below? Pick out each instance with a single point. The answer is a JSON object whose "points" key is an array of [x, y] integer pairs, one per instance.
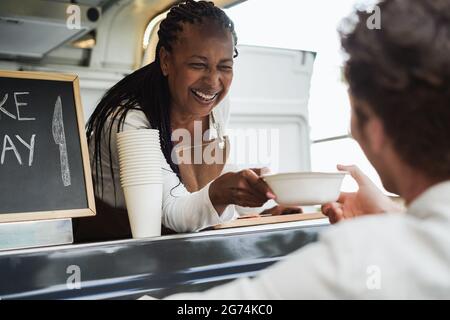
{"points": [[181, 90]]}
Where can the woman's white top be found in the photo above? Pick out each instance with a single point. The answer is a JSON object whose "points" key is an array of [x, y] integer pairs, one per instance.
{"points": [[182, 211]]}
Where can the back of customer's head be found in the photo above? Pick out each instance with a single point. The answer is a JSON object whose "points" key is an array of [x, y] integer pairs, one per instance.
{"points": [[402, 72]]}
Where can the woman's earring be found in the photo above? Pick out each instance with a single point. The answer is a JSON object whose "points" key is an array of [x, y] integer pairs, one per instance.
{"points": [[219, 132]]}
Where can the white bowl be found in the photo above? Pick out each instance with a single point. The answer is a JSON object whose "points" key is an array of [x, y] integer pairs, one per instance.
{"points": [[305, 188]]}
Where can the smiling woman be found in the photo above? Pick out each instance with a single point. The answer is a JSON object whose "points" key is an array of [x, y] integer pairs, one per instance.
{"points": [[181, 90]]}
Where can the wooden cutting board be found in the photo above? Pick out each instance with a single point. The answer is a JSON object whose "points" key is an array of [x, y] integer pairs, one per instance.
{"points": [[258, 220]]}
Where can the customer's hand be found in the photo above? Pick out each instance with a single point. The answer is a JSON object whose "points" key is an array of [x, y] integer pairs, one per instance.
{"points": [[244, 188], [367, 200]]}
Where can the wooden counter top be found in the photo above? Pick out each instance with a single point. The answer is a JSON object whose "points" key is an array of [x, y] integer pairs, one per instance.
{"points": [[258, 220]]}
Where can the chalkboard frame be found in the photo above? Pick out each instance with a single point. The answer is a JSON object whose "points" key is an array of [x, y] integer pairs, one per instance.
{"points": [[59, 214]]}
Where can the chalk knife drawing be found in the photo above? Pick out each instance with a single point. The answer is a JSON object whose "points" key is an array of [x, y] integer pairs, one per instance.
{"points": [[60, 139]]}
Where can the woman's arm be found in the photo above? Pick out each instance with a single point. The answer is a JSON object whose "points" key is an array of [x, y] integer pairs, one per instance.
{"points": [[186, 212]]}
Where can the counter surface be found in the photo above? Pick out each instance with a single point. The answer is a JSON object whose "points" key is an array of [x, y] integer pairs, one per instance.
{"points": [[158, 267]]}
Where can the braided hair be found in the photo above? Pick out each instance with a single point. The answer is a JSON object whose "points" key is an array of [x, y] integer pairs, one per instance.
{"points": [[147, 88]]}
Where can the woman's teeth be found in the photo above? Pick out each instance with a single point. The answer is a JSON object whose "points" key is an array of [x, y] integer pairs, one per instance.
{"points": [[204, 96]]}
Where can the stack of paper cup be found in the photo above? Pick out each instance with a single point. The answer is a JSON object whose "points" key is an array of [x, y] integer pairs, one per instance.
{"points": [[141, 179]]}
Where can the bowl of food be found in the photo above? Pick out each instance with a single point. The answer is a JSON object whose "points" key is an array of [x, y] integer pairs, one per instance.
{"points": [[305, 188]]}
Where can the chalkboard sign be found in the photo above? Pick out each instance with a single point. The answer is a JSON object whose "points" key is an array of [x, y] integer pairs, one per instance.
{"points": [[44, 162]]}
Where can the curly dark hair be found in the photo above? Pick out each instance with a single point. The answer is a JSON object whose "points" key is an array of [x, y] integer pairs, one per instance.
{"points": [[402, 71]]}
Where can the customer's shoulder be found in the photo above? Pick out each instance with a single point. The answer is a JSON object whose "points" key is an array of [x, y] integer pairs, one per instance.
{"points": [[366, 229]]}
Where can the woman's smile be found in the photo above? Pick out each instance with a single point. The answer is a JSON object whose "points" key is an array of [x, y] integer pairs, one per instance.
{"points": [[204, 97]]}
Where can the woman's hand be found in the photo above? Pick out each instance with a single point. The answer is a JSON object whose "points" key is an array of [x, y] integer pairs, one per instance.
{"points": [[279, 210], [244, 188], [367, 200]]}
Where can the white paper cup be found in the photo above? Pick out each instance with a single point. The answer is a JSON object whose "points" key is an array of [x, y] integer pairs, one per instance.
{"points": [[139, 132], [137, 152], [138, 140], [125, 184], [140, 158], [144, 205], [134, 184], [137, 149], [152, 156], [141, 153], [149, 179], [125, 165], [144, 162], [144, 168], [137, 137], [139, 162], [157, 154], [141, 168], [136, 134], [139, 174], [140, 144]]}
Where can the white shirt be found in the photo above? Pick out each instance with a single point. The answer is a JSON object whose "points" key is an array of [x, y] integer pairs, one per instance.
{"points": [[182, 211], [386, 256]]}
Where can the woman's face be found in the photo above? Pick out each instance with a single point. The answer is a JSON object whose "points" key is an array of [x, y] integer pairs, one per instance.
{"points": [[199, 68]]}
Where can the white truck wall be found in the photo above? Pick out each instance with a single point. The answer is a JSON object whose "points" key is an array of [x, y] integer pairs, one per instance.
{"points": [[269, 96]]}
